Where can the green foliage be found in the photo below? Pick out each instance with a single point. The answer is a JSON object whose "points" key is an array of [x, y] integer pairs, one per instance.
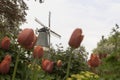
{"points": [[13, 51], [84, 75], [110, 67], [78, 61]]}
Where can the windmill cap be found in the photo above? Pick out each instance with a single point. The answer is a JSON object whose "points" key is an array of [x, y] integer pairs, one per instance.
{"points": [[44, 29]]}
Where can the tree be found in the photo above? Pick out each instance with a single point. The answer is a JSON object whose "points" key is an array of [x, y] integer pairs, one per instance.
{"points": [[115, 38], [106, 69], [12, 14], [110, 44]]}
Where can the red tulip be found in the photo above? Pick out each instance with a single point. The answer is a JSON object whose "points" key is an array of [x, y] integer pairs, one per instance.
{"points": [[76, 38], [32, 44], [44, 63], [47, 65], [94, 61], [59, 63], [38, 52], [5, 65], [8, 58], [5, 44], [26, 37]]}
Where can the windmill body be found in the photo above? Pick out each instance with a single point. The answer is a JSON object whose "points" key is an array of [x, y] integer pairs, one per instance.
{"points": [[43, 36]]}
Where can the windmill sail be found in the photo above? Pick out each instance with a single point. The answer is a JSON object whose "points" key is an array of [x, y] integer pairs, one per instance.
{"points": [[39, 22], [55, 34]]}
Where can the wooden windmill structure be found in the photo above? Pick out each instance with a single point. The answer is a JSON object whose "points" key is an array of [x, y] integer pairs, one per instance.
{"points": [[45, 33]]}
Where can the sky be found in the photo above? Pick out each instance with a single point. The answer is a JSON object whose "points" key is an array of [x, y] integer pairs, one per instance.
{"points": [[94, 17]]}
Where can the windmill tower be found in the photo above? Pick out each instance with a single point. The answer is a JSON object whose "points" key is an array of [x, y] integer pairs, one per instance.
{"points": [[45, 33]]}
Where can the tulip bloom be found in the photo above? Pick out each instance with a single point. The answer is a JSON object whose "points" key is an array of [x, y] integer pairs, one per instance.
{"points": [[38, 52], [5, 44], [94, 61], [76, 38], [32, 44], [26, 37], [47, 65], [8, 58], [5, 65]]}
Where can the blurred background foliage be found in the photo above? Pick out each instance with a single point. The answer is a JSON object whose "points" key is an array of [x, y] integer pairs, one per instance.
{"points": [[110, 66]]}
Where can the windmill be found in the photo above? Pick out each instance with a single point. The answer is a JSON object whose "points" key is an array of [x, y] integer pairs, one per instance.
{"points": [[45, 33]]}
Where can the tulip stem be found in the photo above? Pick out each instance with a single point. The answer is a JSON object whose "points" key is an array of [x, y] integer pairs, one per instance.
{"points": [[34, 71], [15, 68], [69, 61]]}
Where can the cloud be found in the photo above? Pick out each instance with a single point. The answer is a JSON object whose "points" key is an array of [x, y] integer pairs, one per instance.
{"points": [[95, 17]]}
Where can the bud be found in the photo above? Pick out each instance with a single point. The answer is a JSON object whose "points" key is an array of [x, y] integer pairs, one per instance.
{"points": [[38, 52], [94, 61], [59, 63], [26, 37], [5, 44], [5, 65], [32, 44], [76, 38], [8, 58], [47, 65]]}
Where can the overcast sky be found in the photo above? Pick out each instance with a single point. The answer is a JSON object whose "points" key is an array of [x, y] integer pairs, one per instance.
{"points": [[94, 17]]}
